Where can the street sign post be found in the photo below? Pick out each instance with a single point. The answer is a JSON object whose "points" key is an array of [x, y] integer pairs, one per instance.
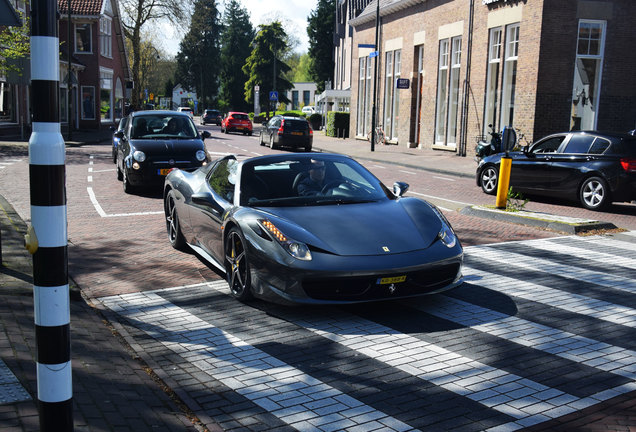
{"points": [[273, 96]]}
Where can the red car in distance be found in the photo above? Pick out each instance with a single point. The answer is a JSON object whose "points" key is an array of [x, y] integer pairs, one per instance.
{"points": [[237, 122]]}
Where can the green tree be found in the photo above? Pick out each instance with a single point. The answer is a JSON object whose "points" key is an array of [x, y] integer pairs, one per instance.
{"points": [[265, 66], [321, 22], [136, 14], [236, 40], [14, 45], [199, 53], [299, 64]]}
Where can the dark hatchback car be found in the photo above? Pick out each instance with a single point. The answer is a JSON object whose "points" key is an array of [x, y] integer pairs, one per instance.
{"points": [[592, 167], [120, 127], [211, 116], [283, 131], [155, 142]]}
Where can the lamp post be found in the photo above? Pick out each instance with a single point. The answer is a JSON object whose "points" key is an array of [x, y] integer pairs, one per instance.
{"points": [[375, 74]]}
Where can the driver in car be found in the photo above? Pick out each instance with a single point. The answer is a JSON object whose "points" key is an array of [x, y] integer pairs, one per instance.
{"points": [[315, 181]]}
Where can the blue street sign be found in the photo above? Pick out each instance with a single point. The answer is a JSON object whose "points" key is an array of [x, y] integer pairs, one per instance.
{"points": [[366, 45], [373, 54], [402, 83], [273, 96]]}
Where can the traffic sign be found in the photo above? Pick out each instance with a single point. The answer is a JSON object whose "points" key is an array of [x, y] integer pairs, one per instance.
{"points": [[273, 96], [373, 54]]}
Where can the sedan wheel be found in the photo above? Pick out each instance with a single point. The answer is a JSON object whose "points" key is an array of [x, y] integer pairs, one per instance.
{"points": [[172, 223], [260, 138], [489, 178], [128, 188], [236, 266], [594, 193]]}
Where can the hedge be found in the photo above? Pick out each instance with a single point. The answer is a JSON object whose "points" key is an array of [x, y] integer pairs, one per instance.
{"points": [[337, 124]]}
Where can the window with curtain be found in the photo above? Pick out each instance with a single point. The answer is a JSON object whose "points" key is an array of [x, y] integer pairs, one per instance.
{"points": [[106, 95], [587, 74], [510, 76], [83, 38]]}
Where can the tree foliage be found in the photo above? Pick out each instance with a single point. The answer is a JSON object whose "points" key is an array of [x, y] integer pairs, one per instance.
{"points": [[199, 53], [265, 66], [320, 30], [236, 40], [136, 14], [14, 45], [299, 64]]}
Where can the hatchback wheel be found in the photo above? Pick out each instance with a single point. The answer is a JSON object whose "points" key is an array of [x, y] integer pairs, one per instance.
{"points": [[489, 179], [237, 266], [594, 194], [272, 145], [128, 188]]}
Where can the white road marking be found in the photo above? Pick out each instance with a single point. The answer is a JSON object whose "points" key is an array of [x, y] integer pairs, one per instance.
{"points": [[100, 211], [444, 178], [439, 198]]}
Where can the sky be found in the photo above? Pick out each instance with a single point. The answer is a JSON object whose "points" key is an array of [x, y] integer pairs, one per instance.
{"points": [[292, 13]]}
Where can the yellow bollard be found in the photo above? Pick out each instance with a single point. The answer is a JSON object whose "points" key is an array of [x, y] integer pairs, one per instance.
{"points": [[504, 182]]}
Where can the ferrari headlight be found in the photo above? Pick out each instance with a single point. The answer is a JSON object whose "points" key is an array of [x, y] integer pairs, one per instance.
{"points": [[139, 156], [200, 155], [446, 233], [295, 248]]}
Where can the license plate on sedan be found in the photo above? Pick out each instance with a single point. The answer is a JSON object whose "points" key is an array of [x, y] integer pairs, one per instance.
{"points": [[164, 171], [391, 280], [296, 133]]}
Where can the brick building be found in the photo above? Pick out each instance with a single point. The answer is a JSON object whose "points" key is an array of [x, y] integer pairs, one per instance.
{"points": [[540, 66], [99, 66]]}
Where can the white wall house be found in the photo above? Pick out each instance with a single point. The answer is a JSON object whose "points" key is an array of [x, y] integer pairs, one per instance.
{"points": [[182, 96], [302, 94]]}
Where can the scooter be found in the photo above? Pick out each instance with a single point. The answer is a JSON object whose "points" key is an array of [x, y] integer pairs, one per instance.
{"points": [[484, 148]]}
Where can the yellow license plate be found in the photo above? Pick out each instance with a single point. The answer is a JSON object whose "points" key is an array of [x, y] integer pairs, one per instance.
{"points": [[296, 133], [391, 280], [164, 171]]}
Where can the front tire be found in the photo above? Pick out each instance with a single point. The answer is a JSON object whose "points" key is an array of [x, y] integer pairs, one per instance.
{"points": [[175, 236], [237, 267], [128, 188], [489, 179], [594, 193]]}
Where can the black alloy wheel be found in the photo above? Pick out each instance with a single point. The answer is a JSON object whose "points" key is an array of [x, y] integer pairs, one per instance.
{"points": [[237, 266], [173, 226], [594, 193], [489, 179]]}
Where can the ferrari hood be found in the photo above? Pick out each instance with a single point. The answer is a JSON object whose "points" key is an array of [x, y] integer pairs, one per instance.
{"points": [[387, 227]]}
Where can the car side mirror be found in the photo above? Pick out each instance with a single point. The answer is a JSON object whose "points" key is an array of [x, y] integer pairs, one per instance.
{"points": [[400, 188], [205, 134], [119, 134]]}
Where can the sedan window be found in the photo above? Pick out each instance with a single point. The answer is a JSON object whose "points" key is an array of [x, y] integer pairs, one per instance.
{"points": [[599, 146], [549, 145], [579, 144]]}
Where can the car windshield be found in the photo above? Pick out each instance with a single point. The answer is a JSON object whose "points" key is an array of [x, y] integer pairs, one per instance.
{"points": [[158, 126], [308, 181]]}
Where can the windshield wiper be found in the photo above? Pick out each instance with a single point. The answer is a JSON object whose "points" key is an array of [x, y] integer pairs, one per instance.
{"points": [[327, 201]]}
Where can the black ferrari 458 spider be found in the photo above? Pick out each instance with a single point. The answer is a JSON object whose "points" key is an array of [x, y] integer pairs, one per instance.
{"points": [[311, 228]]}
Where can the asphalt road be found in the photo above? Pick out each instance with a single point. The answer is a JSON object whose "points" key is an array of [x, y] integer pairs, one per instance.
{"points": [[544, 326]]}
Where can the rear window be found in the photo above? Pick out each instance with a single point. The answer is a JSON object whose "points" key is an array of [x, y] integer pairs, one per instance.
{"points": [[240, 116], [296, 124]]}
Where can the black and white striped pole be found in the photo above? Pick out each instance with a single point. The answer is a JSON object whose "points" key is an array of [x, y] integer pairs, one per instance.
{"points": [[47, 237]]}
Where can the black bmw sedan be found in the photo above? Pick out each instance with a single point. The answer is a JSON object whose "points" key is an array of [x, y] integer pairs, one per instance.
{"points": [[155, 142], [592, 167]]}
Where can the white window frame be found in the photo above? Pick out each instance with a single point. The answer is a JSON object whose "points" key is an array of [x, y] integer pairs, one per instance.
{"points": [[492, 80], [508, 86], [106, 84], [106, 36], [578, 94]]}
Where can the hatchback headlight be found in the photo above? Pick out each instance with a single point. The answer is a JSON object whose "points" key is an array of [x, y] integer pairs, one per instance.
{"points": [[139, 156], [200, 155], [298, 250]]}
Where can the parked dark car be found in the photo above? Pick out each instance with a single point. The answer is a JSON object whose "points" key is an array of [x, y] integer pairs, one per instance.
{"points": [[237, 122], [211, 116], [592, 167], [120, 127], [286, 131], [155, 142], [352, 240]]}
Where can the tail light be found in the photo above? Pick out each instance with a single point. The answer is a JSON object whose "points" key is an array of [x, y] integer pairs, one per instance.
{"points": [[311, 132], [282, 127], [628, 165]]}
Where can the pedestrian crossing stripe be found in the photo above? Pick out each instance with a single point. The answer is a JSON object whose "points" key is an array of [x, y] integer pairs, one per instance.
{"points": [[523, 400]]}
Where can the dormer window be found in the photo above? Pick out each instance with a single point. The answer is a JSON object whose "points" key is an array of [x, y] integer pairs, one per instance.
{"points": [[106, 36]]}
